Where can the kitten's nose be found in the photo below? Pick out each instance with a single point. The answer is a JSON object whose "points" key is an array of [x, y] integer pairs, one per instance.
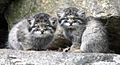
{"points": [[70, 24], [42, 31]]}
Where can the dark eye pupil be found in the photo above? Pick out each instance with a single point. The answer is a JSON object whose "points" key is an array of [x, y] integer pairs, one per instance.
{"points": [[75, 21], [60, 21], [37, 20], [54, 22], [65, 21]]}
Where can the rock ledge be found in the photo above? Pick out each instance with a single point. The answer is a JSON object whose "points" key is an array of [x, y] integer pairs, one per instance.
{"points": [[17, 57]]}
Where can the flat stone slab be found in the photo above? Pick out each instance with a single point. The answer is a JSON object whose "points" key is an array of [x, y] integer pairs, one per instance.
{"points": [[18, 57]]}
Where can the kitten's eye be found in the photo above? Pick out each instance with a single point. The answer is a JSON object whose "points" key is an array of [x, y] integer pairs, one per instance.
{"points": [[83, 14], [78, 20], [53, 22], [66, 18], [60, 21], [75, 21], [46, 20], [37, 26], [65, 21], [29, 21], [37, 21], [33, 26]]}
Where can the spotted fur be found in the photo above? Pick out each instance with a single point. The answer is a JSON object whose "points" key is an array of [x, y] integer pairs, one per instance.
{"points": [[86, 34], [73, 22], [33, 33]]}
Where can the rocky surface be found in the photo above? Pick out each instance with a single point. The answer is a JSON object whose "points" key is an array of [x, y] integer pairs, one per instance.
{"points": [[17, 57], [97, 8]]}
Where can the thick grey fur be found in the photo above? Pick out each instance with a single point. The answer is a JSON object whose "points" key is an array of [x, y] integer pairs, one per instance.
{"points": [[89, 36], [73, 34], [94, 38], [21, 36]]}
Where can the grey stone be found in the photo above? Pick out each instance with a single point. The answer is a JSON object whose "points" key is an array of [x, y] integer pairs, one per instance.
{"points": [[97, 8], [18, 57]]}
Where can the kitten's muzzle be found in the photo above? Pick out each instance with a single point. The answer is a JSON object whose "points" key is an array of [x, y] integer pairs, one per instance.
{"points": [[42, 31], [71, 24]]}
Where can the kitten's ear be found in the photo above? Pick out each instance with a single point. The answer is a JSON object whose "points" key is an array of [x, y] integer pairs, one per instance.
{"points": [[28, 19], [53, 21], [60, 13], [81, 14], [31, 21]]}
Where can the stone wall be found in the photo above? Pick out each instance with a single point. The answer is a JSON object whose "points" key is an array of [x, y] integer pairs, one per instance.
{"points": [[98, 8]]}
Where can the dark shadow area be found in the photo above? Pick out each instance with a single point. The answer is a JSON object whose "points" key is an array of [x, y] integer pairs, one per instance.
{"points": [[113, 30], [3, 31], [4, 4]]}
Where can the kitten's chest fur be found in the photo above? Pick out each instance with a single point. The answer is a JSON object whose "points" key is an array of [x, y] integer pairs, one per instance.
{"points": [[75, 34], [37, 43]]}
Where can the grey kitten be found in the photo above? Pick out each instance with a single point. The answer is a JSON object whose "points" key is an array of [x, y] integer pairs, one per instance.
{"points": [[94, 38], [86, 34], [73, 22], [33, 33]]}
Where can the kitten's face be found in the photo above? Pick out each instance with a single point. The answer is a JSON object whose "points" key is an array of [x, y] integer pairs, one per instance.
{"points": [[40, 26], [70, 18], [71, 22]]}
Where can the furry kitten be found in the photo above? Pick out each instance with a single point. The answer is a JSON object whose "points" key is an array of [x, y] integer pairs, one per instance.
{"points": [[33, 33], [86, 34], [73, 22], [94, 38]]}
